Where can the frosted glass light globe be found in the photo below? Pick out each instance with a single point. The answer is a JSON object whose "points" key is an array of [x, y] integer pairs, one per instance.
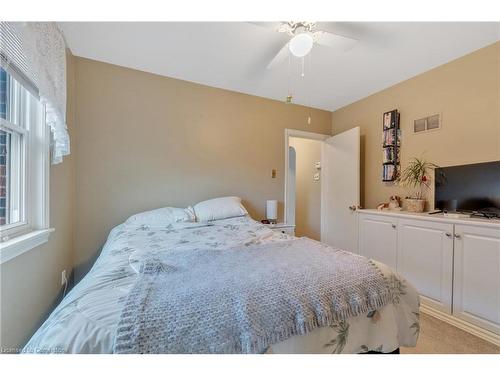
{"points": [[301, 44]]}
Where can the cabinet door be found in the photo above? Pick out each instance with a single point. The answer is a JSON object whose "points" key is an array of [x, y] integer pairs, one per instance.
{"points": [[378, 238], [425, 259], [476, 296]]}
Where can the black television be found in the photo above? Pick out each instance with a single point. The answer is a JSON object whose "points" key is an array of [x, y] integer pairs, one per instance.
{"points": [[468, 188]]}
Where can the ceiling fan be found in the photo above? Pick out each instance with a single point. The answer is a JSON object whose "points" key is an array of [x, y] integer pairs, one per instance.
{"points": [[303, 37]]}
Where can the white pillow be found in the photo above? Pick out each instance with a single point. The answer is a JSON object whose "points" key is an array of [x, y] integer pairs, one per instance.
{"points": [[219, 208], [162, 216]]}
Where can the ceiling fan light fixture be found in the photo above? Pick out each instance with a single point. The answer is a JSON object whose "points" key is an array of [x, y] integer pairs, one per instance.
{"points": [[301, 44]]}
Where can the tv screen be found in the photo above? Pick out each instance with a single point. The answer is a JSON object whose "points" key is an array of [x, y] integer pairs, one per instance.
{"points": [[473, 187]]}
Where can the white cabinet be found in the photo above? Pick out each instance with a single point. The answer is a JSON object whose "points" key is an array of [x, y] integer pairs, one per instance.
{"points": [[425, 259], [454, 264], [378, 238], [476, 297]]}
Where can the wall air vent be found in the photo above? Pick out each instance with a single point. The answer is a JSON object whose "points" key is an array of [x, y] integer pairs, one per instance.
{"points": [[425, 124]]}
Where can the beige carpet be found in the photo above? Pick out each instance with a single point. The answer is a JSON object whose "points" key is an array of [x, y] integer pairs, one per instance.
{"points": [[438, 337]]}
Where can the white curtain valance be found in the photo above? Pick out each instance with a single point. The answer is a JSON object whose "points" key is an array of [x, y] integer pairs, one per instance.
{"points": [[42, 51]]}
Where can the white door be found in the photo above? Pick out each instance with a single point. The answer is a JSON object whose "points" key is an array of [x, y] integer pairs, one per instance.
{"points": [[340, 159], [425, 259], [476, 296], [378, 238]]}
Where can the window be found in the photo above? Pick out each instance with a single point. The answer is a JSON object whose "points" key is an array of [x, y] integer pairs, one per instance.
{"points": [[13, 133], [23, 159], [32, 113]]}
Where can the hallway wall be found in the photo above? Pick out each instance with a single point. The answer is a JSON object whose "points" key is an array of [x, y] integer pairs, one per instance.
{"points": [[308, 191]]}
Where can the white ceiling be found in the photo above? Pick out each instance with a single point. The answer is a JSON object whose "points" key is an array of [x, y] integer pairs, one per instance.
{"points": [[234, 55]]}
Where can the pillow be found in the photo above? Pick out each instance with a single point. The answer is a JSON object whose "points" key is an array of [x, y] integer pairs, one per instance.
{"points": [[162, 216], [219, 208]]}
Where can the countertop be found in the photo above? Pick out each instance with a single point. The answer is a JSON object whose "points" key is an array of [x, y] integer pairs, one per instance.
{"points": [[492, 223]]}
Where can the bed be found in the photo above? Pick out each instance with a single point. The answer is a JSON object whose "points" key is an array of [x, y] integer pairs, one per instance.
{"points": [[86, 319]]}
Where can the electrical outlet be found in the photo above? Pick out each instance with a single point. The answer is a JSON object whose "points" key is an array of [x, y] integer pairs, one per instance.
{"points": [[64, 280]]}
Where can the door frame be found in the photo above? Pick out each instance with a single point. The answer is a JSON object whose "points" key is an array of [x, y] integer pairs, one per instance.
{"points": [[296, 134]]}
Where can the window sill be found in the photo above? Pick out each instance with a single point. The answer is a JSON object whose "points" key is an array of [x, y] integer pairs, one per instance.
{"points": [[21, 244]]}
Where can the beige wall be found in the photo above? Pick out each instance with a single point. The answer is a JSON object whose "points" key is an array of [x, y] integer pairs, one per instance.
{"points": [[146, 141], [307, 190], [465, 92], [31, 282]]}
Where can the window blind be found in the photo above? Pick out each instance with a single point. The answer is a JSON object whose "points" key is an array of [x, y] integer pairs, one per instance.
{"points": [[13, 59]]}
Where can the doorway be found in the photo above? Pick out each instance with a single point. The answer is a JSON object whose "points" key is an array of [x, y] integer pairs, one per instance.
{"points": [[304, 166], [322, 185], [303, 182]]}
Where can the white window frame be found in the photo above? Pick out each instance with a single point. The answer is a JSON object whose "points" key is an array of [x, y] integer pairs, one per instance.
{"points": [[33, 229]]}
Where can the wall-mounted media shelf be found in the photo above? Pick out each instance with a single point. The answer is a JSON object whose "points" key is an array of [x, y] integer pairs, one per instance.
{"points": [[391, 140]]}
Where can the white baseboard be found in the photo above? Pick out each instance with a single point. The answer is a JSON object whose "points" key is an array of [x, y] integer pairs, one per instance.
{"points": [[463, 325]]}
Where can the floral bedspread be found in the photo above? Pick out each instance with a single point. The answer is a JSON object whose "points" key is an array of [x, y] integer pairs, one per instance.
{"points": [[86, 319]]}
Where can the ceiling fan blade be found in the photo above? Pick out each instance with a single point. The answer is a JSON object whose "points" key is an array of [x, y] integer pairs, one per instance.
{"points": [[334, 40], [279, 58], [274, 26]]}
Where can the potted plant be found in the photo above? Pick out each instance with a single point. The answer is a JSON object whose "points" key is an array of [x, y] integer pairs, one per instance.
{"points": [[416, 177]]}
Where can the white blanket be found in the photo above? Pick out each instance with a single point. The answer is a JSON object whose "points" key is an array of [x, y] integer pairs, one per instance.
{"points": [[86, 320]]}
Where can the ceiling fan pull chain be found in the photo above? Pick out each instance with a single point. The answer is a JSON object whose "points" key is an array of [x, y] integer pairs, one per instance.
{"points": [[309, 96], [302, 74], [289, 96]]}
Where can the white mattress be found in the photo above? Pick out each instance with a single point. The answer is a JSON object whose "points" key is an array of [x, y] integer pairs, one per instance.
{"points": [[86, 319]]}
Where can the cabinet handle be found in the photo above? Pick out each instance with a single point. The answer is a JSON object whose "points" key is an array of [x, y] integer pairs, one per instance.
{"points": [[457, 236], [448, 235], [393, 226]]}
